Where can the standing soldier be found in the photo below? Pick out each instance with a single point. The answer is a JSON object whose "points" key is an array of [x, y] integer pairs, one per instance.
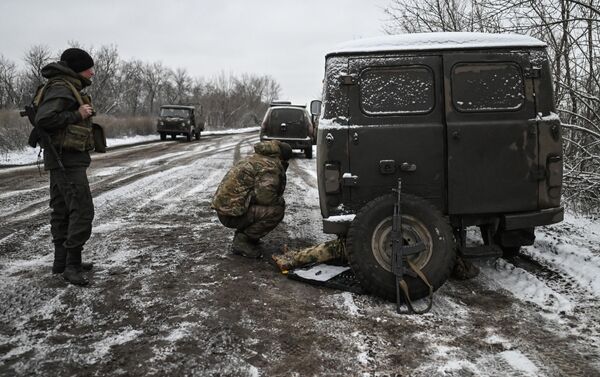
{"points": [[64, 114], [250, 196]]}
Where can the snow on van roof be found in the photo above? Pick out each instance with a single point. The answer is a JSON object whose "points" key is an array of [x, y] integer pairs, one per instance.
{"points": [[436, 41]]}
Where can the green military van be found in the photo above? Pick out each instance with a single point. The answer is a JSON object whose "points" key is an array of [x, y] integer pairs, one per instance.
{"points": [[180, 120], [466, 121]]}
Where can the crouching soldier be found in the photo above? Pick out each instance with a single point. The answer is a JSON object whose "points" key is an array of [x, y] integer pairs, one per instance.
{"points": [[250, 196]]}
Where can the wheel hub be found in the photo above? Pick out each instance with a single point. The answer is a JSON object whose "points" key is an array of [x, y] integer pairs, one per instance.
{"points": [[413, 232]]}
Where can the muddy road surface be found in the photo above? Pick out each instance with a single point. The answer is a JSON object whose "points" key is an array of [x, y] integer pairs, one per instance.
{"points": [[168, 299]]}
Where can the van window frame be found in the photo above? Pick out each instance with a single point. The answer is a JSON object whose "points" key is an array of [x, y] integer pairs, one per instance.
{"points": [[398, 113], [488, 110]]}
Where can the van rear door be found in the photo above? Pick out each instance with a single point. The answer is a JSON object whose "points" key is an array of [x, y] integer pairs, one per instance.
{"points": [[287, 122], [397, 127], [492, 145]]}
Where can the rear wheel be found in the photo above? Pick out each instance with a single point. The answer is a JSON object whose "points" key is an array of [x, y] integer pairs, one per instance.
{"points": [[369, 245], [308, 152], [163, 136]]}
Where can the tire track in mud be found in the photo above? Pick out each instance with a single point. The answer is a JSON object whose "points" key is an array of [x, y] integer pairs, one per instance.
{"points": [[130, 239], [37, 212], [584, 320]]}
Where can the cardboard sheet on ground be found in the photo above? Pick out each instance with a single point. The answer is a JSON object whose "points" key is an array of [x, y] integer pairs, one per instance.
{"points": [[327, 275], [320, 272]]}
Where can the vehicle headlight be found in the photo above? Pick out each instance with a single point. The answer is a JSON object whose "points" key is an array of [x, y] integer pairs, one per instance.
{"points": [[161, 123], [183, 124]]}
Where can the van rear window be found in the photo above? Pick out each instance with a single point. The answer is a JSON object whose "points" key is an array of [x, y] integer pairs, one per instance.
{"points": [[287, 116], [482, 87], [397, 90]]}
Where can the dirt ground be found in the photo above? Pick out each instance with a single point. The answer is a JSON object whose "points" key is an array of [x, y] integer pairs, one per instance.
{"points": [[168, 299]]}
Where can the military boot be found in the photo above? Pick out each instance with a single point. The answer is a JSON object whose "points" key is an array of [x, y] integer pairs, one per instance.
{"points": [[245, 246], [60, 260], [73, 268]]}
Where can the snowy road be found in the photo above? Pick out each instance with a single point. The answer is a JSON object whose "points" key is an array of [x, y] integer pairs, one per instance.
{"points": [[167, 299]]}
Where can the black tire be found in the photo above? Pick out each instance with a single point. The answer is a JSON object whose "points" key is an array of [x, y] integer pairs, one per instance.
{"points": [[369, 245], [308, 152], [188, 136], [173, 136], [163, 136], [197, 135]]}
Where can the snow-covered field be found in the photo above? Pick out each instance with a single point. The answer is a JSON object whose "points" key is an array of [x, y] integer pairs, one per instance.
{"points": [[168, 299]]}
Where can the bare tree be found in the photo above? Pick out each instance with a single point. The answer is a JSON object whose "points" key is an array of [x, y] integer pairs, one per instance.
{"points": [[35, 59], [137, 88], [182, 83], [9, 96], [154, 76], [104, 90]]}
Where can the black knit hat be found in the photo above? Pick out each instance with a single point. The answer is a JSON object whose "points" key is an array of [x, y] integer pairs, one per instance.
{"points": [[285, 150], [77, 59]]}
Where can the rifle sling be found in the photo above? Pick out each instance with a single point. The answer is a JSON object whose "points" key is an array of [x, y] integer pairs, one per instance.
{"points": [[406, 294]]}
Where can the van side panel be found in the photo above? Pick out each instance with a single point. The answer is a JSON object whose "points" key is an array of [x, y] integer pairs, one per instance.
{"points": [[332, 138], [549, 130]]}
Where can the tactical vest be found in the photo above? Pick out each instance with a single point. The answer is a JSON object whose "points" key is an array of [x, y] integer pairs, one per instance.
{"points": [[75, 137]]}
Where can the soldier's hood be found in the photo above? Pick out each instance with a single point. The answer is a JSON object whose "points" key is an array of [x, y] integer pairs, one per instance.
{"points": [[60, 70], [268, 148]]}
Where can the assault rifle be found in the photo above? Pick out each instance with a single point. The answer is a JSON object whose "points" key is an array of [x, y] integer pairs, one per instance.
{"points": [[39, 136], [400, 254]]}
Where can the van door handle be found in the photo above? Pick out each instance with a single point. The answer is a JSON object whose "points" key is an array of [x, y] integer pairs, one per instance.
{"points": [[355, 138], [408, 166], [456, 135], [329, 138]]}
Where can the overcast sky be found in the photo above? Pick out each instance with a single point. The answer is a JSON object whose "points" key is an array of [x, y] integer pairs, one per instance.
{"points": [[286, 39]]}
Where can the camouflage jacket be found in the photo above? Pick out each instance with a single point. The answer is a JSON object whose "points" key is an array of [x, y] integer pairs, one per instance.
{"points": [[59, 108], [257, 179]]}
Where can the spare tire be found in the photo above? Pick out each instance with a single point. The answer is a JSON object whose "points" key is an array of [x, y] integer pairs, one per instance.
{"points": [[369, 245]]}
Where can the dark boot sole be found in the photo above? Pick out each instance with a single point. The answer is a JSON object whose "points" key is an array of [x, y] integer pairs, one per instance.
{"points": [[84, 267]]}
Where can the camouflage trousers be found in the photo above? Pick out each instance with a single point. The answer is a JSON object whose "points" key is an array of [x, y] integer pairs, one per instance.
{"points": [[72, 207], [320, 253], [257, 222]]}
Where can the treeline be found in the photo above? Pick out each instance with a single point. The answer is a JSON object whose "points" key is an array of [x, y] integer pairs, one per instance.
{"points": [[571, 30], [133, 88]]}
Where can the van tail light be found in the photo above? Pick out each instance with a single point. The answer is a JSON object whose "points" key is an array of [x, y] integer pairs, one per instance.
{"points": [[332, 178], [554, 168]]}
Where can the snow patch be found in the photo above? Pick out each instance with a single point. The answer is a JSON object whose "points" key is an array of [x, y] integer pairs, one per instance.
{"points": [[102, 347], [436, 41], [341, 218], [519, 362]]}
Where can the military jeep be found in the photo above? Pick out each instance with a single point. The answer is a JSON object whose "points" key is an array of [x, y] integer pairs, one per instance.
{"points": [[179, 120], [466, 121], [291, 124]]}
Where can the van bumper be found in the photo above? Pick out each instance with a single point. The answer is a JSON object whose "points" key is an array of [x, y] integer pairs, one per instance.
{"points": [[532, 219], [337, 224], [295, 143]]}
